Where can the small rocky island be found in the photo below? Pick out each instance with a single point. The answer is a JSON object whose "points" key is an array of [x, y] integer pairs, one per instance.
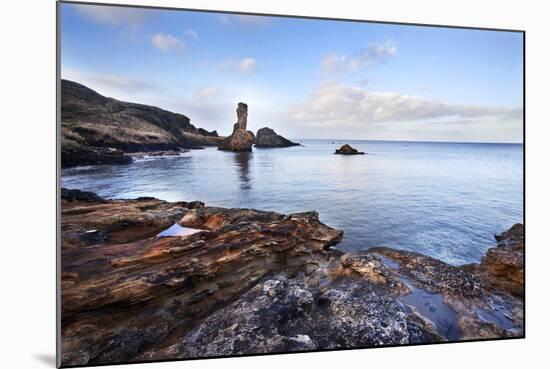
{"points": [[348, 150], [241, 139], [267, 137], [244, 281]]}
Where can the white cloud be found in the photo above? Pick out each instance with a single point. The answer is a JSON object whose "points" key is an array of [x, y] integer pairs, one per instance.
{"points": [[191, 33], [113, 15], [244, 66], [109, 84], [206, 93], [339, 104], [373, 55], [247, 65], [166, 42]]}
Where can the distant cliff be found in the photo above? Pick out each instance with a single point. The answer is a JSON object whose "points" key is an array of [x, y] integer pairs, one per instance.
{"points": [[96, 128]]}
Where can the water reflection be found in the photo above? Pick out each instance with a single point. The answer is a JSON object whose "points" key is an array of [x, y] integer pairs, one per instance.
{"points": [[242, 161]]}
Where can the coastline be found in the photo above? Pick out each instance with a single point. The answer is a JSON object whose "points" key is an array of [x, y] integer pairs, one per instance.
{"points": [[253, 281]]}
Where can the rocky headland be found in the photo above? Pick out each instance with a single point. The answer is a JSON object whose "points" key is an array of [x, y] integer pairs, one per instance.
{"points": [[100, 130], [348, 150], [146, 279], [267, 137], [240, 139]]}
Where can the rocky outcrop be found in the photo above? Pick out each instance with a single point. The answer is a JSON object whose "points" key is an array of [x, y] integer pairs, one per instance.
{"points": [[75, 153], [248, 281], [241, 139], [266, 137], [503, 265], [92, 123], [348, 150]]}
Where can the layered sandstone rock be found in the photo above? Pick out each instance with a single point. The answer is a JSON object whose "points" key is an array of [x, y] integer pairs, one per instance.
{"points": [[246, 281], [266, 137], [240, 139], [503, 265]]}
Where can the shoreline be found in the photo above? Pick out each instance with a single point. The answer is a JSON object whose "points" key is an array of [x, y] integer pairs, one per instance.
{"points": [[261, 282]]}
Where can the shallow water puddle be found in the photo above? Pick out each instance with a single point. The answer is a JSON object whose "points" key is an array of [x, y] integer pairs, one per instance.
{"points": [[432, 306], [498, 315], [177, 230], [429, 304]]}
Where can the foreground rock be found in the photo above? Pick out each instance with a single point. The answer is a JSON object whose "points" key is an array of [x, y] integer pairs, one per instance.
{"points": [[247, 281], [92, 124], [266, 137], [348, 150], [503, 265], [240, 139]]}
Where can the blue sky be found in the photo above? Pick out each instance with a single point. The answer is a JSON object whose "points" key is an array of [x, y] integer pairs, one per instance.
{"points": [[304, 78]]}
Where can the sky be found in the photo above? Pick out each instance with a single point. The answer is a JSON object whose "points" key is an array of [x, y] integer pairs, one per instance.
{"points": [[305, 78]]}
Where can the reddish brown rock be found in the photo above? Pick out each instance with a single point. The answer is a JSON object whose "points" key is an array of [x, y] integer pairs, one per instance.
{"points": [[503, 265], [249, 281], [241, 139], [125, 291]]}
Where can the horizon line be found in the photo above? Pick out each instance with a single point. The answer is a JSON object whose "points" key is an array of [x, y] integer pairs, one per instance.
{"points": [[413, 141]]}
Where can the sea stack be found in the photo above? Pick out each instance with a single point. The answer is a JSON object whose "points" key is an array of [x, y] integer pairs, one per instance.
{"points": [[266, 137], [348, 150], [240, 139]]}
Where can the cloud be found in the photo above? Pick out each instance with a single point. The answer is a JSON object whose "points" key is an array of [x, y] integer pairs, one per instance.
{"points": [[206, 93], [244, 66], [110, 84], [340, 104], [112, 15], [247, 65], [371, 56], [166, 42], [243, 19], [191, 33]]}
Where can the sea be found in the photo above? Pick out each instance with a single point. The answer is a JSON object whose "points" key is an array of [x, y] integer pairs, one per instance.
{"points": [[445, 200]]}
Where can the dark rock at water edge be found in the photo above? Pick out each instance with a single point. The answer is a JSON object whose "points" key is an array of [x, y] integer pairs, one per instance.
{"points": [[267, 137], [77, 195], [348, 150], [75, 154]]}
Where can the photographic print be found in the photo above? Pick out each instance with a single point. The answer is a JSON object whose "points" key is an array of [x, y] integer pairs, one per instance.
{"points": [[242, 184]]}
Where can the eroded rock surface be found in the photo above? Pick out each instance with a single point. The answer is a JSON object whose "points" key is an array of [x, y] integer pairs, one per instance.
{"points": [[503, 265], [240, 139], [266, 137], [247, 281]]}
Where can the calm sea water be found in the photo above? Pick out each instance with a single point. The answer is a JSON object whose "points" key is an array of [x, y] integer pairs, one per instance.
{"points": [[446, 200]]}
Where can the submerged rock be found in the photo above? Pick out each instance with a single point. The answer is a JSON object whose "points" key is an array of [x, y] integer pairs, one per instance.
{"points": [[240, 139], [266, 137], [249, 281], [348, 150]]}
